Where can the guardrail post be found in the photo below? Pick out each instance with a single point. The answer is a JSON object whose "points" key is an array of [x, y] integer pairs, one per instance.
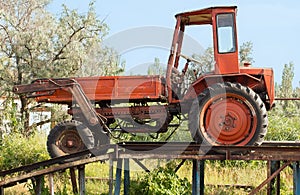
{"points": [[198, 177], [126, 177], [81, 179], [111, 175], [51, 184], [73, 180], [118, 177], [38, 185], [296, 178], [274, 186]]}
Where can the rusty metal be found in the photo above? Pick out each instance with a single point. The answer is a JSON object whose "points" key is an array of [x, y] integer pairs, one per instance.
{"points": [[131, 97], [202, 152], [180, 165], [257, 189], [126, 177], [118, 177], [73, 180], [274, 185], [117, 88], [84, 104], [141, 165], [268, 151], [149, 150], [288, 99], [51, 184], [39, 87], [296, 178], [181, 150], [281, 143], [81, 179], [111, 176], [139, 115], [54, 161], [52, 169], [142, 112]]}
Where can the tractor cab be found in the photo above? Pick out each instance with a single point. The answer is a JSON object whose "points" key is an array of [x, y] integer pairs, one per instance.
{"points": [[225, 44], [226, 55]]}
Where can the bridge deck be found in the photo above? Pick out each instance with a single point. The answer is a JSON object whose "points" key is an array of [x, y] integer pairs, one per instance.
{"points": [[269, 151]]}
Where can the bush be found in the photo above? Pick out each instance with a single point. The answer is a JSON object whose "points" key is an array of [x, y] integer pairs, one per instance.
{"points": [[17, 150], [283, 127], [161, 181]]}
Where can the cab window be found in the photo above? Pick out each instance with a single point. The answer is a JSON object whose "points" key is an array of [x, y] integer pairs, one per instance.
{"points": [[225, 32]]}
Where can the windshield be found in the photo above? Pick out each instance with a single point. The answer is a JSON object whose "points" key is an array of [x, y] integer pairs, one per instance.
{"points": [[226, 35]]}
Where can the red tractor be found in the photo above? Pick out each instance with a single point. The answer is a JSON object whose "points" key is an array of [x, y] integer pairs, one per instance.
{"points": [[227, 106]]}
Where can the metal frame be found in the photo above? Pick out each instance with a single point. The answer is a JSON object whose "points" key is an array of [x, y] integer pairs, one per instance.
{"points": [[279, 155]]}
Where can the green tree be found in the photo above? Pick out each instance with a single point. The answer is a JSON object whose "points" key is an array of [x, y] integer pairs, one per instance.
{"points": [[36, 44], [156, 68], [207, 62], [284, 118], [245, 53], [297, 95], [286, 87]]}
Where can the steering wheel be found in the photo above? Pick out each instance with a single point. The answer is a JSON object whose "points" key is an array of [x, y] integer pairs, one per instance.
{"points": [[190, 59]]}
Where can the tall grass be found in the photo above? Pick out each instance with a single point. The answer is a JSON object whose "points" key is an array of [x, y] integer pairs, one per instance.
{"points": [[17, 150]]}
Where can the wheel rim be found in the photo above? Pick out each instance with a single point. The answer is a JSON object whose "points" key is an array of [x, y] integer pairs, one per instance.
{"points": [[228, 120], [70, 142]]}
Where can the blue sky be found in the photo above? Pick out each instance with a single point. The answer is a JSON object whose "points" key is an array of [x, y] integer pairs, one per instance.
{"points": [[272, 26]]}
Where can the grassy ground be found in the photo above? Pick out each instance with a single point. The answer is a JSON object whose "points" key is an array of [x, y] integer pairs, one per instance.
{"points": [[220, 177]]}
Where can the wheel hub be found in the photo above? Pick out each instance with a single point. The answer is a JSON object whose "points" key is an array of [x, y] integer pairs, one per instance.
{"points": [[70, 142], [228, 121]]}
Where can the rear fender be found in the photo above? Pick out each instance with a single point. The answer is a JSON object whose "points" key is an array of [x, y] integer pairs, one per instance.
{"points": [[255, 83]]}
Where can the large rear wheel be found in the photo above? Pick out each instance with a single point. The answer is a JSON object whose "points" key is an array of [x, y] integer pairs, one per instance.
{"points": [[69, 137], [228, 114]]}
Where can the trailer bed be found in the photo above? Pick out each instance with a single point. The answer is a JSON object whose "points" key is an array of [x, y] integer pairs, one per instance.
{"points": [[115, 88]]}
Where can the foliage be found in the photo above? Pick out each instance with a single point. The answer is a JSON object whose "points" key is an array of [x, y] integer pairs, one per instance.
{"points": [[245, 52], [10, 120], [161, 181], [283, 126], [284, 118], [37, 44], [60, 183], [17, 150], [44, 190], [207, 61], [156, 68], [285, 89]]}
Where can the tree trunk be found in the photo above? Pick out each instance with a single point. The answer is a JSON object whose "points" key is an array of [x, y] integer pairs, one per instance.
{"points": [[25, 115]]}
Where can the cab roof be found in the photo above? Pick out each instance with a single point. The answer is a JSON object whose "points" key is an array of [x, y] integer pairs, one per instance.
{"points": [[203, 16]]}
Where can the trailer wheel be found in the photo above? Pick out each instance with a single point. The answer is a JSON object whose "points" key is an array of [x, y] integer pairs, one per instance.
{"points": [[228, 114], [69, 137]]}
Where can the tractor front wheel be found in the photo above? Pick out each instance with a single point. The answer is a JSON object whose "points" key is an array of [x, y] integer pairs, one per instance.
{"points": [[228, 114]]}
